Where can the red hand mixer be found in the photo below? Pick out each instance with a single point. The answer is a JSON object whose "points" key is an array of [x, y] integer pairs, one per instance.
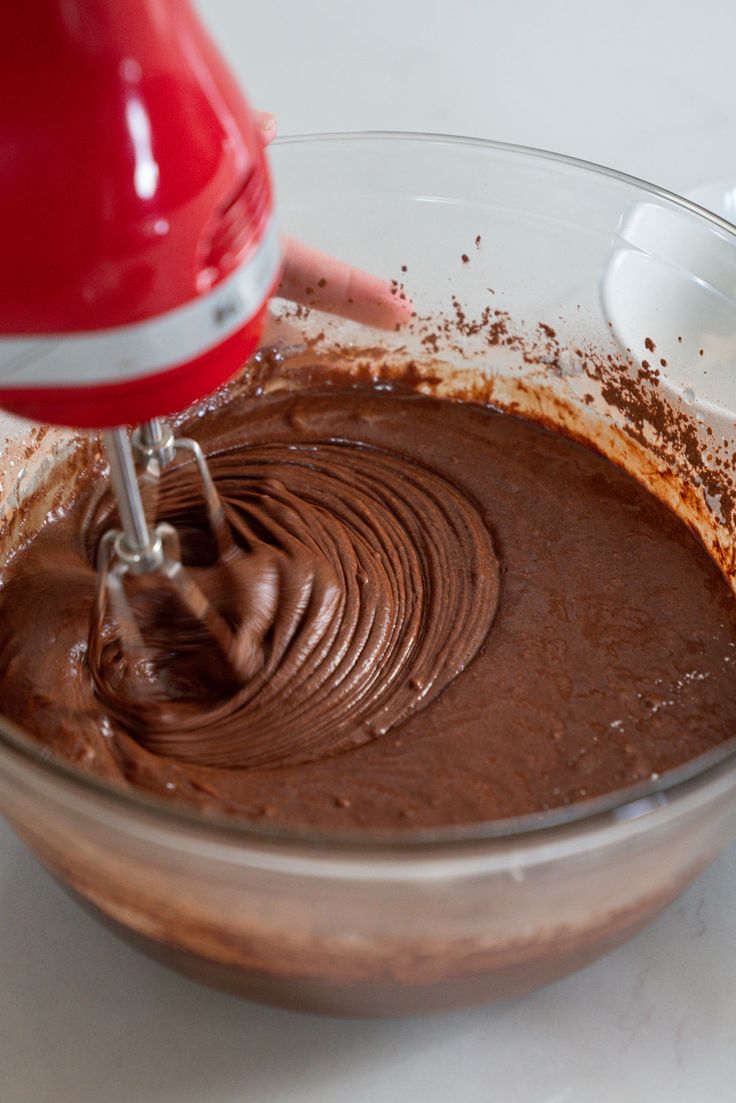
{"points": [[138, 243]]}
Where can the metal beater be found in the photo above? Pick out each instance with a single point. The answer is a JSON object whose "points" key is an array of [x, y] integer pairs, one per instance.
{"points": [[138, 548]]}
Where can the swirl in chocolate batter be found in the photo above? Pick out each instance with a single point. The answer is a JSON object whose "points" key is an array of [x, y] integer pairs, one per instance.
{"points": [[360, 583]]}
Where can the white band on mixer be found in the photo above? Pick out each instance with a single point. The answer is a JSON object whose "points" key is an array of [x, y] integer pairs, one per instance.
{"points": [[144, 348]]}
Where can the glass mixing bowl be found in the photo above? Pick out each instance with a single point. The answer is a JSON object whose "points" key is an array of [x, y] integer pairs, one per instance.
{"points": [[378, 925]]}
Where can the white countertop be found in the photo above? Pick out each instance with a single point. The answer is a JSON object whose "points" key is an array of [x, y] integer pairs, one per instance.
{"points": [[646, 86]]}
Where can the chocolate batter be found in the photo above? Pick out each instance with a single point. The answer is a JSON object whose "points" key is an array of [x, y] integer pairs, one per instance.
{"points": [[450, 615]]}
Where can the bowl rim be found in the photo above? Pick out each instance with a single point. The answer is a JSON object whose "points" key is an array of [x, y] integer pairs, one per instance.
{"points": [[647, 799]]}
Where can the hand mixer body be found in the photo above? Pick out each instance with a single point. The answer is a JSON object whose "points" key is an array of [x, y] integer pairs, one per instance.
{"points": [[137, 234]]}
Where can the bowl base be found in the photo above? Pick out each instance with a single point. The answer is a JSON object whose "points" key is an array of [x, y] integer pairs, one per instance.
{"points": [[384, 997]]}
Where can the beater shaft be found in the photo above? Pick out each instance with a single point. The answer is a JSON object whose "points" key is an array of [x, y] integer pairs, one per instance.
{"points": [[137, 545]]}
